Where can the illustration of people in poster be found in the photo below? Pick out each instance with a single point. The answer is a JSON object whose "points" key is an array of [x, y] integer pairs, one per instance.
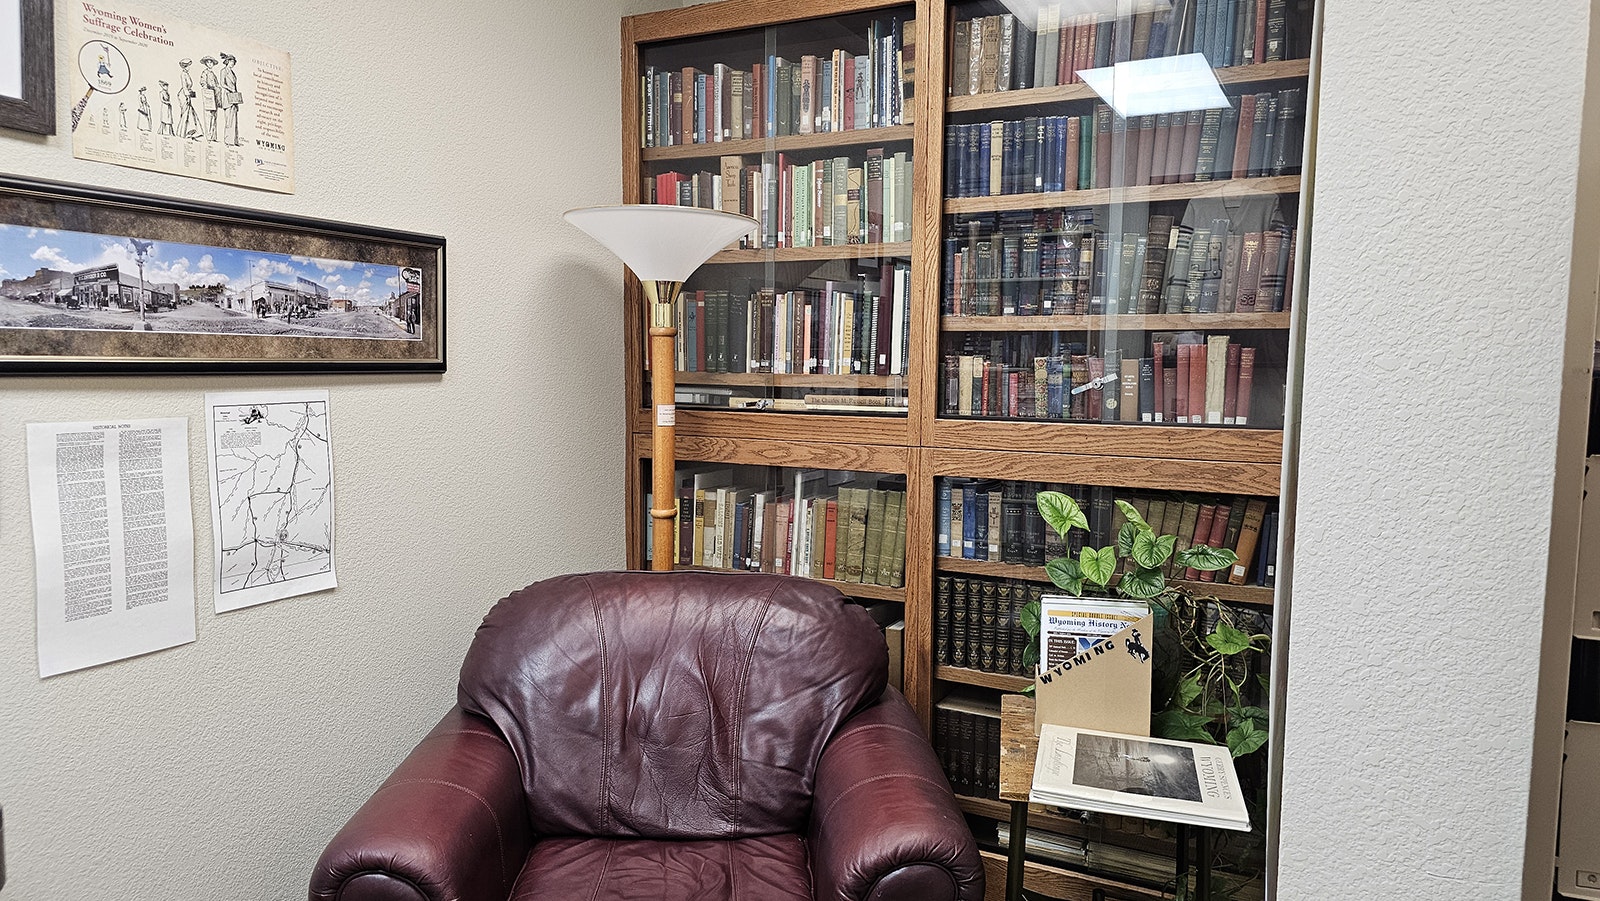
{"points": [[228, 96]]}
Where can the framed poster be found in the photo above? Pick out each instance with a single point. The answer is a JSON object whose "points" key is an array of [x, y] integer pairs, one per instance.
{"points": [[28, 66], [100, 281]]}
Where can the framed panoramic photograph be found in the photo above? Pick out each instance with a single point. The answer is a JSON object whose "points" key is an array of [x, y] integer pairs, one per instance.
{"points": [[28, 66], [100, 281]]}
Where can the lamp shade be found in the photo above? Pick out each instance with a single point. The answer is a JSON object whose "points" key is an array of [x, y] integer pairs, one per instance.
{"points": [[660, 242]]}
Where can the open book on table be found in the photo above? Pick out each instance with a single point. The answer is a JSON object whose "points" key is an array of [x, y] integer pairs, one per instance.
{"points": [[1132, 775]]}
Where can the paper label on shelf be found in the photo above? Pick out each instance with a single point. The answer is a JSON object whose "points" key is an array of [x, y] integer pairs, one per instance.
{"points": [[666, 414]]}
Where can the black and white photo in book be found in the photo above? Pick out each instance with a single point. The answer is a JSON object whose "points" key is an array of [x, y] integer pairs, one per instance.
{"points": [[1121, 764]]}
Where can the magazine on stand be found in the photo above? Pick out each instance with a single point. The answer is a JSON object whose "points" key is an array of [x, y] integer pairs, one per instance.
{"points": [[1133, 775]]}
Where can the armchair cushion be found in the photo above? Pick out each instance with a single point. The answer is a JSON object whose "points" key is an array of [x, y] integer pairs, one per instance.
{"points": [[769, 868], [671, 705]]}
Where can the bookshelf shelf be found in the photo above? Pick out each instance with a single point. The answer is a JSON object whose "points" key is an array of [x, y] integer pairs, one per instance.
{"points": [[967, 676], [1067, 93], [1134, 194], [808, 254], [1202, 444], [826, 141], [1240, 594], [1127, 322]]}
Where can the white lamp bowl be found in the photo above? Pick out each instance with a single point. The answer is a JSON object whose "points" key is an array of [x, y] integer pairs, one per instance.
{"points": [[660, 242]]}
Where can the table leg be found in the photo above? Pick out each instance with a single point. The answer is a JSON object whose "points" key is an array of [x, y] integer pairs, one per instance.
{"points": [[1015, 849], [1181, 892]]}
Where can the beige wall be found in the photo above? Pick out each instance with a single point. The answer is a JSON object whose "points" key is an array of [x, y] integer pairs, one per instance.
{"points": [[217, 771], [1448, 164]]}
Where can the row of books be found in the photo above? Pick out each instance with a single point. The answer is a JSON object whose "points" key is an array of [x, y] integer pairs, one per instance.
{"points": [[838, 91], [828, 202], [1263, 135], [1003, 53], [1175, 267], [1208, 382], [848, 532], [856, 327], [975, 624], [966, 737], [998, 520]]}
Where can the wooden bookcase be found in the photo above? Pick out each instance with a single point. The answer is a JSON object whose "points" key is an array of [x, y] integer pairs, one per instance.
{"points": [[931, 439]]}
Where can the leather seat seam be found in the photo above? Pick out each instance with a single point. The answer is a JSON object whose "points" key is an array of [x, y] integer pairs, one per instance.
{"points": [[840, 796], [499, 834], [601, 809], [738, 709]]}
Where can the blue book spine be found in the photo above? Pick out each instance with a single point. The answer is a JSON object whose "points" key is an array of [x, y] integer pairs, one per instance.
{"points": [[952, 163], [980, 527], [1202, 28], [944, 517], [1055, 391], [771, 112], [983, 160], [1230, 33]]}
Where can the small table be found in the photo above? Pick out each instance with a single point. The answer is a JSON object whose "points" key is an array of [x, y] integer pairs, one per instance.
{"points": [[1019, 748]]}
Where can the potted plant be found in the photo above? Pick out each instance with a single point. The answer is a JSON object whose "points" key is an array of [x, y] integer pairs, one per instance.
{"points": [[1204, 695]]}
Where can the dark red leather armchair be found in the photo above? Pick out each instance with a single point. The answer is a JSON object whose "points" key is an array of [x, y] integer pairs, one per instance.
{"points": [[685, 736]]}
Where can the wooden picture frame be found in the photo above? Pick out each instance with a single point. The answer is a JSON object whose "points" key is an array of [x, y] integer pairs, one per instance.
{"points": [[100, 281], [35, 110]]}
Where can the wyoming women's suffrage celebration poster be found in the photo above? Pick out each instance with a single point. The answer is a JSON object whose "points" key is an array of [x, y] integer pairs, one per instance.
{"points": [[154, 92]]}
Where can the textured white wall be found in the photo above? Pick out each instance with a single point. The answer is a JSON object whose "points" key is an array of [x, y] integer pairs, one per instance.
{"points": [[1446, 173], [217, 771]]}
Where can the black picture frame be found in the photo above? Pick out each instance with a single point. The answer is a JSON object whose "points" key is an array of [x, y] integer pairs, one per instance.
{"points": [[60, 320], [35, 110]]}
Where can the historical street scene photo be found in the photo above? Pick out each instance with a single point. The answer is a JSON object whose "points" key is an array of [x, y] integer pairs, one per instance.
{"points": [[54, 279]]}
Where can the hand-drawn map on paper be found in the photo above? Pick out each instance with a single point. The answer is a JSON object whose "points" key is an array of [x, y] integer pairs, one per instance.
{"points": [[271, 460]]}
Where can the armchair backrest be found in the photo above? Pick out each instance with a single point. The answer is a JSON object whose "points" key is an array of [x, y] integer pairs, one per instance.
{"points": [[671, 705]]}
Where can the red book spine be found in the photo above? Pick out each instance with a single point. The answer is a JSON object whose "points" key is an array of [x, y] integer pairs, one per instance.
{"points": [[1197, 383], [1096, 403], [1218, 536], [1013, 394], [1259, 45], [1085, 59], [1158, 403], [1247, 378], [1230, 396], [1169, 384], [1202, 535], [848, 87], [1181, 401], [1072, 44], [1241, 141], [980, 403]]}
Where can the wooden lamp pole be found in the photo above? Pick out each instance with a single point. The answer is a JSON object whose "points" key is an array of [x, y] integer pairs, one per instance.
{"points": [[663, 245]]}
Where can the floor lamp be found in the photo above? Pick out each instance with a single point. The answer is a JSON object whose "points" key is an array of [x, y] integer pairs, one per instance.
{"points": [[663, 245]]}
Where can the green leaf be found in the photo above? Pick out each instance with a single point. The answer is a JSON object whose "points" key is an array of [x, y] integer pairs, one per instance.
{"points": [[1028, 618], [1061, 512], [1188, 689], [1126, 537], [1206, 558], [1132, 515], [1152, 552], [1098, 566], [1181, 725], [1066, 575], [1253, 714], [1142, 583], [1245, 738], [1227, 640], [1030, 655], [1264, 682]]}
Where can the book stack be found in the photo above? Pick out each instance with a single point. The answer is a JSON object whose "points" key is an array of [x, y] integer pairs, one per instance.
{"points": [[1048, 263], [976, 624], [1004, 53], [998, 521], [1196, 380], [815, 525], [825, 203], [967, 740], [1127, 775], [1255, 136], [817, 93], [844, 327]]}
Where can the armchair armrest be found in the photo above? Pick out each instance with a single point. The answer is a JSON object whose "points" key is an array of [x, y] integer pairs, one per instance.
{"points": [[450, 823], [884, 823]]}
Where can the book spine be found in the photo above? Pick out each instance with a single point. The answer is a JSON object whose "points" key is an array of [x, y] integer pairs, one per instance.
{"points": [[1246, 384]]}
